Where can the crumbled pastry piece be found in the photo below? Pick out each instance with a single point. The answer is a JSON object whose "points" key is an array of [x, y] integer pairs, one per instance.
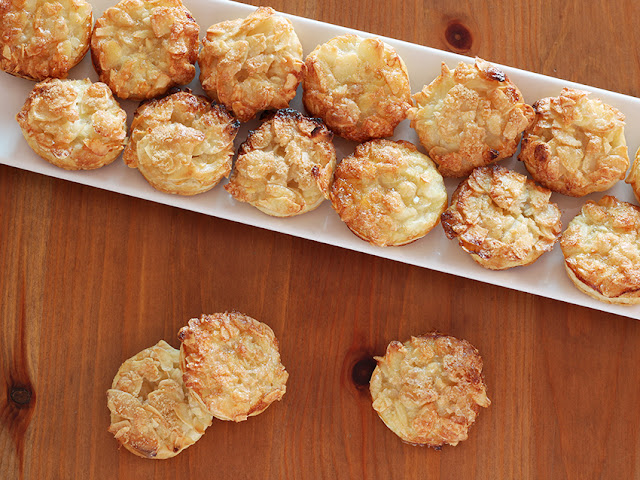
{"points": [[284, 168], [142, 48], [359, 87], [502, 218], [42, 39], [182, 143], [388, 193], [251, 64], [576, 144], [152, 413], [429, 390], [73, 124], [231, 363], [469, 117], [601, 247]]}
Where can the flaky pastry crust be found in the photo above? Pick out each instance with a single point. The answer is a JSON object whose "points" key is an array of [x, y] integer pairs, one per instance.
{"points": [[285, 167], [231, 363], [601, 247], [43, 39], [251, 64], [359, 87], [576, 144], [388, 193], [182, 143], [469, 117], [142, 48], [502, 218], [152, 413], [634, 176], [429, 390], [73, 124]]}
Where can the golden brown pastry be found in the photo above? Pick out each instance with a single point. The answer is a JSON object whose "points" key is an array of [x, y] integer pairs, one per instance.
{"points": [[73, 124], [388, 193], [359, 87], [251, 64], [152, 413], [231, 363], [576, 144], [429, 390], [634, 176], [601, 247], [284, 168], [42, 39], [469, 117], [502, 218], [142, 48], [182, 143]]}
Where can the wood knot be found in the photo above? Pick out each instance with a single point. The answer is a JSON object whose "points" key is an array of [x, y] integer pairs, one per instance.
{"points": [[362, 371], [21, 396], [458, 37]]}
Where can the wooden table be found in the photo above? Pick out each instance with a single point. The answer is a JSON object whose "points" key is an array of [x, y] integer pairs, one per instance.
{"points": [[88, 278]]}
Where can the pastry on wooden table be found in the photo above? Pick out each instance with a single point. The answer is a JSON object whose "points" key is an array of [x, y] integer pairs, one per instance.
{"points": [[231, 363], [73, 124], [634, 176], [388, 193], [42, 39], [502, 218], [358, 86], [576, 144], [182, 143], [152, 413], [142, 48], [601, 247], [429, 390], [285, 167], [251, 64], [469, 117]]}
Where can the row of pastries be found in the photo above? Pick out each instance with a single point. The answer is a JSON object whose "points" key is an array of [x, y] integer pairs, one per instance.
{"points": [[387, 192]]}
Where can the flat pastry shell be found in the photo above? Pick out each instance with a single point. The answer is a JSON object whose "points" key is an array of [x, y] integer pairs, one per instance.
{"points": [[576, 144], [429, 390], [182, 143], [152, 413], [231, 363], [358, 86], [73, 124], [601, 246], [142, 48], [388, 193], [251, 64], [285, 167], [43, 39], [469, 117], [502, 218]]}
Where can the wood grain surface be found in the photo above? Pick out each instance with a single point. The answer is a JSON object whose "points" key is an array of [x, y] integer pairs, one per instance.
{"points": [[88, 278]]}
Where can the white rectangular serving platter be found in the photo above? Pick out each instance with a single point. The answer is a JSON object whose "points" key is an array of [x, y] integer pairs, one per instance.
{"points": [[546, 277]]}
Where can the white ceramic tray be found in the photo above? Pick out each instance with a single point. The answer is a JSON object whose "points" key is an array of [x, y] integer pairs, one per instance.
{"points": [[546, 277]]}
